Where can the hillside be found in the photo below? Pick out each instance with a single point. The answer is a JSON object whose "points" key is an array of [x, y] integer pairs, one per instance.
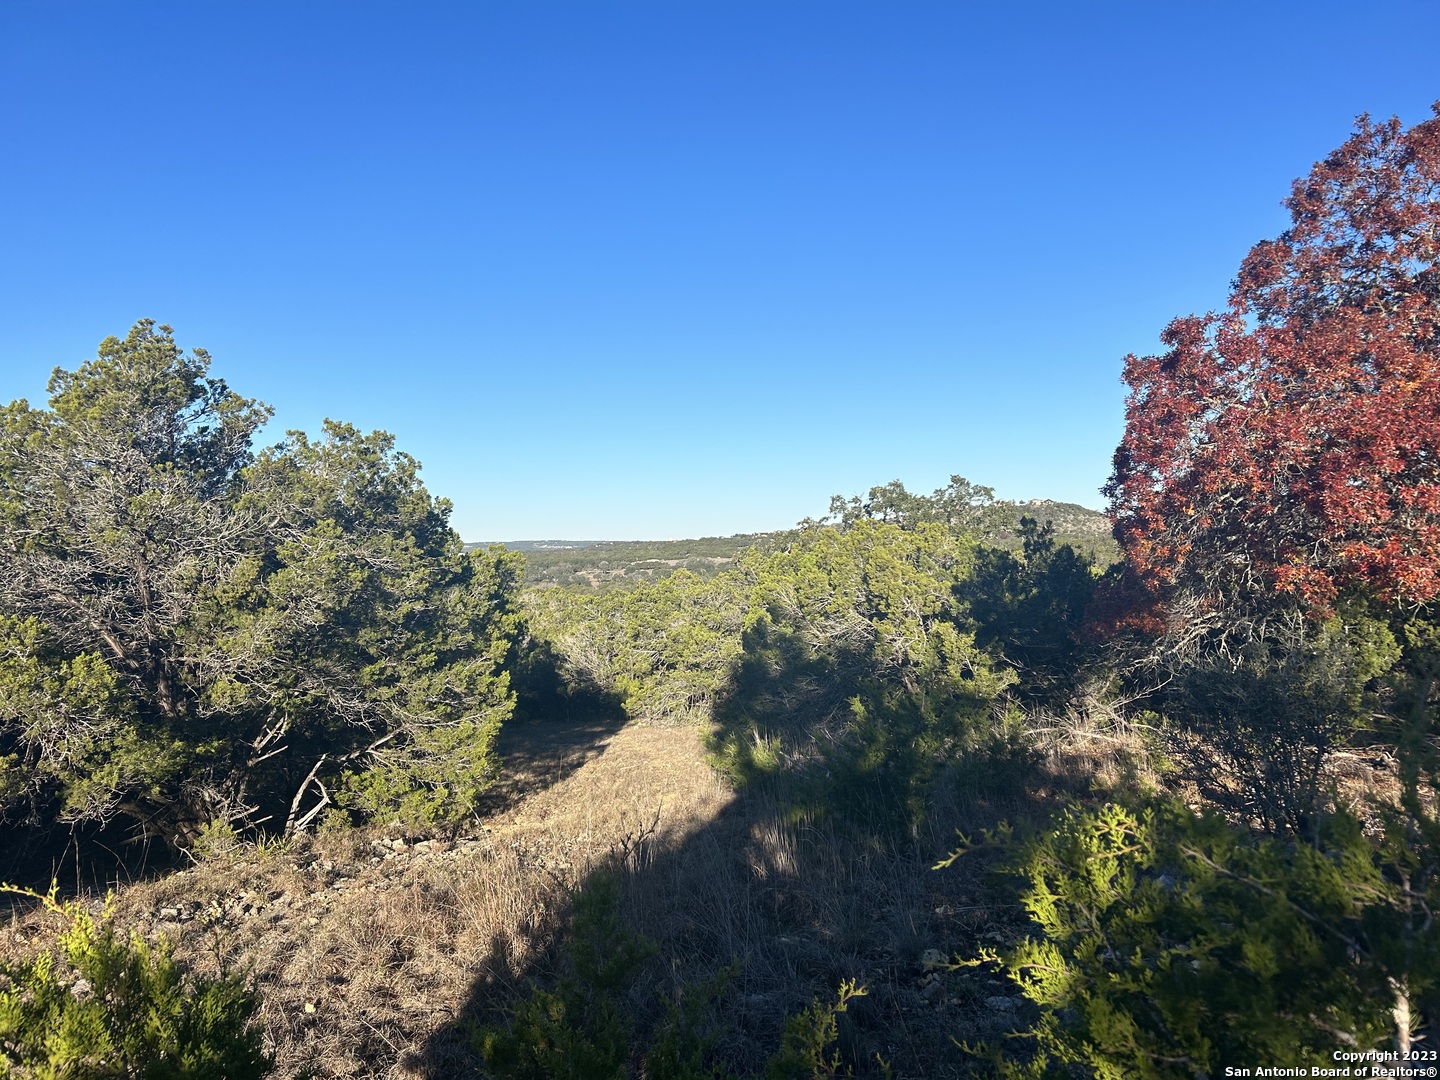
{"points": [[599, 563], [1082, 528], [382, 951], [593, 564]]}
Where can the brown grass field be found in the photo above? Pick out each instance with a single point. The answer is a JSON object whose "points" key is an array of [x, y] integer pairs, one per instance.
{"points": [[375, 952]]}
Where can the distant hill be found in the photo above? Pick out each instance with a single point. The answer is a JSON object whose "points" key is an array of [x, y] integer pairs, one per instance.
{"points": [[541, 545], [598, 564], [1084, 529]]}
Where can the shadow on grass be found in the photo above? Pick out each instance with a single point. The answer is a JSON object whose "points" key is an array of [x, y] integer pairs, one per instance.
{"points": [[794, 900], [556, 729], [818, 873]]}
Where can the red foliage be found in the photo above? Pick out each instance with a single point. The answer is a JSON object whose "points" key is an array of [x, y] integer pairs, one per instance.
{"points": [[1293, 442]]}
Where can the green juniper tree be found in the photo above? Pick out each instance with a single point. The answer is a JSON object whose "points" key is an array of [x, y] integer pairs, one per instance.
{"points": [[860, 670], [191, 632], [1170, 945]]}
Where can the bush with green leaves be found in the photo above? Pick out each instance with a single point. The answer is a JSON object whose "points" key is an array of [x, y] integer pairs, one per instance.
{"points": [[860, 673], [1257, 721], [581, 1030], [1030, 607], [1174, 945], [578, 1030], [807, 1049], [103, 1007], [192, 631], [663, 648]]}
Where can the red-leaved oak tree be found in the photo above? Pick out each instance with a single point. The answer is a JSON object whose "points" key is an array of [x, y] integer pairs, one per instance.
{"points": [[1291, 444]]}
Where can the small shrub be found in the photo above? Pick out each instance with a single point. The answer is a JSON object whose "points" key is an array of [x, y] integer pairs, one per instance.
{"points": [[578, 1030], [103, 1007], [805, 1049], [684, 1041], [218, 841], [582, 1029]]}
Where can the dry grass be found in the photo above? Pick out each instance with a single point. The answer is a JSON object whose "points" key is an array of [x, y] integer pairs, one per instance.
{"points": [[362, 951], [802, 905], [1094, 740], [372, 951]]}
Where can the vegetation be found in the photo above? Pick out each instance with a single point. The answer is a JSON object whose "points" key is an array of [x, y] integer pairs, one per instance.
{"points": [[579, 1030], [192, 632], [1287, 448], [1275, 497], [602, 564], [860, 671], [105, 1007], [609, 564], [1174, 945], [1209, 773], [663, 649]]}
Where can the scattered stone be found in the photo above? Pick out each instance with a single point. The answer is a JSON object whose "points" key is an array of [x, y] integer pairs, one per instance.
{"points": [[933, 958]]}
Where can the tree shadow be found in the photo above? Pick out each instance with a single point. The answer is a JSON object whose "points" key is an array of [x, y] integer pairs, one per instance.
{"points": [[801, 883], [558, 727], [94, 859], [794, 906]]}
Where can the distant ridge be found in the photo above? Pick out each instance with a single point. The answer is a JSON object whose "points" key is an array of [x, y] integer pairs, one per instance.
{"points": [[537, 545], [609, 563]]}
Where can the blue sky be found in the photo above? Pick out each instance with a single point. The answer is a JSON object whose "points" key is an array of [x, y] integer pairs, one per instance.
{"points": [[665, 269]]}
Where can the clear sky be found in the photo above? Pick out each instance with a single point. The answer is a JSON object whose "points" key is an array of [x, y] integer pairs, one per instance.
{"points": [[665, 269]]}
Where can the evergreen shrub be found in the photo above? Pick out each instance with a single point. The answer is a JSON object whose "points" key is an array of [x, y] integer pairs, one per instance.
{"points": [[100, 1006]]}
